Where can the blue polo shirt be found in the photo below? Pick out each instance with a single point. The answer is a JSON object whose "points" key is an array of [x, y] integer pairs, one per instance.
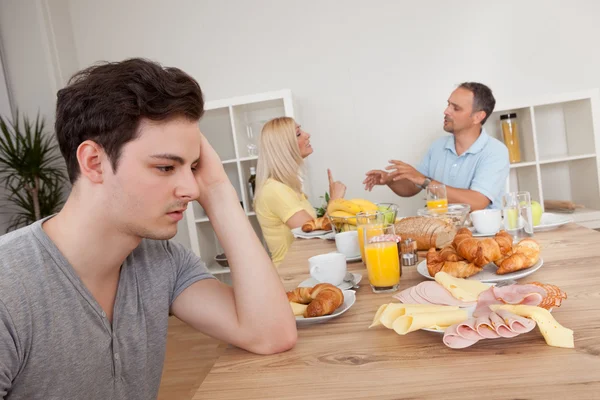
{"points": [[483, 167]]}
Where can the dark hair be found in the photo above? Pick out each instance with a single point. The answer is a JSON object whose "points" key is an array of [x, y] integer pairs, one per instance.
{"points": [[106, 102], [483, 99]]}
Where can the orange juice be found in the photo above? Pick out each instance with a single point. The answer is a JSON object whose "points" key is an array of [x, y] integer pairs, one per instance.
{"points": [[383, 264], [375, 229], [438, 205]]}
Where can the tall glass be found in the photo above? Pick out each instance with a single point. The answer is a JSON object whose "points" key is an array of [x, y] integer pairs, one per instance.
{"points": [[437, 200], [369, 220], [383, 263], [516, 209]]}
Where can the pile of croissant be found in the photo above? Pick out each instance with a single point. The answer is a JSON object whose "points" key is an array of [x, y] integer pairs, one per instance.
{"points": [[317, 224], [316, 301], [466, 255]]}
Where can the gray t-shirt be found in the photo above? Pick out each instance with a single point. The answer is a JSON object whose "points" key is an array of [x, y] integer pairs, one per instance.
{"points": [[55, 340]]}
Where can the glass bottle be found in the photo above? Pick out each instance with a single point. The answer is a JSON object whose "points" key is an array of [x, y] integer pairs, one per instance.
{"points": [[510, 133], [252, 182]]}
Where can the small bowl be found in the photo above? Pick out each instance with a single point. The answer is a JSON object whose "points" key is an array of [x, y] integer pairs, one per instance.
{"points": [[342, 224], [390, 213], [456, 214], [221, 259]]}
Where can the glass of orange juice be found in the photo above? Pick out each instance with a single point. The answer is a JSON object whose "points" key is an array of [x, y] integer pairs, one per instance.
{"points": [[381, 258], [437, 201], [369, 220]]}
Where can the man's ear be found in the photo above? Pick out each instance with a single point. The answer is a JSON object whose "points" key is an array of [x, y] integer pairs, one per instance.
{"points": [[478, 117], [90, 157]]}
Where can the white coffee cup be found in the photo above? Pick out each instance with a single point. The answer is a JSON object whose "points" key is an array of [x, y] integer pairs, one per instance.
{"points": [[488, 221], [347, 243], [328, 268]]}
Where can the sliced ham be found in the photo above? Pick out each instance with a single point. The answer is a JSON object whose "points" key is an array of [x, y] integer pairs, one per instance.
{"points": [[530, 295], [454, 340], [515, 322], [467, 330], [485, 299], [500, 326], [429, 292], [484, 327]]}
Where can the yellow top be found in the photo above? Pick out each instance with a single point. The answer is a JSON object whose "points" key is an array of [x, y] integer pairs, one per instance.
{"points": [[274, 205]]}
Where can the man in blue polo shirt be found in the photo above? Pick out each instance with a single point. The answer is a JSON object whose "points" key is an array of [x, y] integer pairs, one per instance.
{"points": [[472, 165]]}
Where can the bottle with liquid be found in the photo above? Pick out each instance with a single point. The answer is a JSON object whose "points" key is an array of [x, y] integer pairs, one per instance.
{"points": [[252, 182], [251, 145], [511, 136]]}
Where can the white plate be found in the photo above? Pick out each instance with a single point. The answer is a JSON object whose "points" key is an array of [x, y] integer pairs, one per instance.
{"points": [[488, 274], [310, 282], [479, 234], [355, 258], [551, 221], [349, 299], [297, 232]]}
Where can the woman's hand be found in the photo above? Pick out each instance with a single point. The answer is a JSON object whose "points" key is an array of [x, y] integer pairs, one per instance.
{"points": [[337, 189]]}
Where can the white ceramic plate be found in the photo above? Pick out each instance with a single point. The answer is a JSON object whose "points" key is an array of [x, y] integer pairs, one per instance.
{"points": [[310, 282], [297, 232], [349, 299], [478, 234], [488, 274], [551, 221]]}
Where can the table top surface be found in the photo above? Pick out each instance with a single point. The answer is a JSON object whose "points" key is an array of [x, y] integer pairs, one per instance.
{"points": [[343, 359]]}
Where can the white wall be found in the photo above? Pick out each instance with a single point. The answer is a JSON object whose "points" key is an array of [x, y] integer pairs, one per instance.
{"points": [[371, 79]]}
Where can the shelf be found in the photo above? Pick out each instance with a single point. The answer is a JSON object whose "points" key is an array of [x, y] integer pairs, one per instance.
{"points": [[251, 213], [216, 269], [523, 164], [230, 161], [204, 219], [568, 158], [249, 158]]}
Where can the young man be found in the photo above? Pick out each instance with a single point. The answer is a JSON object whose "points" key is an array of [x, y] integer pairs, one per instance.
{"points": [[472, 165], [85, 295]]}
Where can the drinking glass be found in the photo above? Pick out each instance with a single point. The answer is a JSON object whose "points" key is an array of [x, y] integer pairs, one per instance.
{"points": [[383, 263], [516, 209], [437, 200], [371, 220]]}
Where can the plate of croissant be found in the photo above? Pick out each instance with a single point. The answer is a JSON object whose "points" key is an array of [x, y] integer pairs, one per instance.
{"points": [[493, 259], [320, 303], [316, 227]]}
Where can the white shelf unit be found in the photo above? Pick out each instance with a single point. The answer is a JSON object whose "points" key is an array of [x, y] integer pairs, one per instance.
{"points": [[226, 125], [560, 142]]}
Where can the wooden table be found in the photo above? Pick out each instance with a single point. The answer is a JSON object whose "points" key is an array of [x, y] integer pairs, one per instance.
{"points": [[342, 359]]}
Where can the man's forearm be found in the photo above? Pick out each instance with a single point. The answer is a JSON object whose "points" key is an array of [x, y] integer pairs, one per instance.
{"points": [[476, 200], [404, 188], [260, 299]]}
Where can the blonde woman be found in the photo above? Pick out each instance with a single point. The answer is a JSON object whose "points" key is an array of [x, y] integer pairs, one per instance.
{"points": [[280, 204]]}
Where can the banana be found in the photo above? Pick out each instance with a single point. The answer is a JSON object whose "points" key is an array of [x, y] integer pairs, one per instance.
{"points": [[365, 205], [342, 217], [343, 205]]}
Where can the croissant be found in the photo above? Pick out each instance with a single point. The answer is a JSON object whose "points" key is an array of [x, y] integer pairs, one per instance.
{"points": [[322, 299], [446, 260], [524, 255], [481, 252], [322, 223]]}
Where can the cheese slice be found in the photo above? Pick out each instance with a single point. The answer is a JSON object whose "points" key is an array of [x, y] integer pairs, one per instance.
{"points": [[297, 308], [410, 323], [376, 319], [396, 310], [554, 333], [461, 289]]}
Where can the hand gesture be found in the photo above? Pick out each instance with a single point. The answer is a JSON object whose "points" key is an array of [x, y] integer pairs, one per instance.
{"points": [[337, 189], [376, 177], [400, 170]]}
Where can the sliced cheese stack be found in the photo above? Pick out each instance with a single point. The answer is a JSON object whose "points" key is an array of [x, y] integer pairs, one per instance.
{"points": [[554, 333], [462, 289], [405, 318]]}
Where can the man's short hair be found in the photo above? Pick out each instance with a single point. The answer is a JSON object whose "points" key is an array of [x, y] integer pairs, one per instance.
{"points": [[106, 102], [483, 99]]}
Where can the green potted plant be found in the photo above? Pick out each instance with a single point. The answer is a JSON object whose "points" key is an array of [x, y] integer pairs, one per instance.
{"points": [[30, 171]]}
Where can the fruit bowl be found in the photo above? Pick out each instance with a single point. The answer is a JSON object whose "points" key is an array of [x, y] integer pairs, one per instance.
{"points": [[456, 214], [342, 224]]}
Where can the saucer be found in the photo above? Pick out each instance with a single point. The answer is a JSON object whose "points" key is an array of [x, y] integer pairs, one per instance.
{"points": [[479, 234], [355, 258], [310, 282]]}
